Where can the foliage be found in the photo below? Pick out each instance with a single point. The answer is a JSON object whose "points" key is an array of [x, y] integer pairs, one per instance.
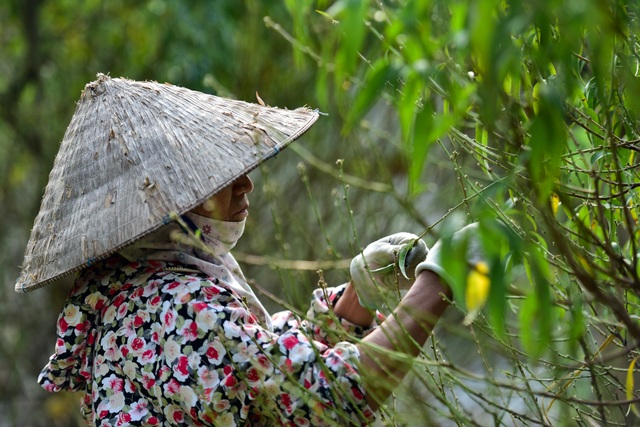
{"points": [[521, 115], [535, 103]]}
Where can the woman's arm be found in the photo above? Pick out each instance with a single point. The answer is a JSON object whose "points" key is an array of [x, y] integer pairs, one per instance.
{"points": [[348, 307], [404, 331]]}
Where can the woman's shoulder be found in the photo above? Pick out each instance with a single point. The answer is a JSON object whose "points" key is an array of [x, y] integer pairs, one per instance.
{"points": [[141, 283]]}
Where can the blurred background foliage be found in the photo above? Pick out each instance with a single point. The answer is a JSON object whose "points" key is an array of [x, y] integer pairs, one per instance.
{"points": [[522, 115]]}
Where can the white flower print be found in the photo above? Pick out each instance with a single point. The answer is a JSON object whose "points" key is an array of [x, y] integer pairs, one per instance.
{"points": [[209, 378], [171, 350], [226, 420], [245, 351], [301, 353], [138, 410], [231, 329], [130, 369], [110, 346], [188, 396], [100, 369], [110, 314], [115, 402], [72, 314], [206, 320]]}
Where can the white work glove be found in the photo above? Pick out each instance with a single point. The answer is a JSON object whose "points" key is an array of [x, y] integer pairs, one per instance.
{"points": [[376, 274], [463, 242], [467, 235]]}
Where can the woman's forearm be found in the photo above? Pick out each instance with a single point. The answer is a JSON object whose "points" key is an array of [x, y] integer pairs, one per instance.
{"points": [[388, 352], [350, 309]]}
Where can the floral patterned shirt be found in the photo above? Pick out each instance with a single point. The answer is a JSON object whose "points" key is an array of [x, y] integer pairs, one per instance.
{"points": [[155, 347]]}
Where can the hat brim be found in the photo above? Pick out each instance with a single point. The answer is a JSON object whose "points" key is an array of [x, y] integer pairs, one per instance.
{"points": [[134, 155]]}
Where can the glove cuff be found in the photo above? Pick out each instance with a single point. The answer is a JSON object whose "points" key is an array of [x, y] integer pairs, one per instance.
{"points": [[428, 265]]}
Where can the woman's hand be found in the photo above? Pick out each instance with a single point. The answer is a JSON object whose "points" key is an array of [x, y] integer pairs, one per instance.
{"points": [[408, 327], [379, 271]]}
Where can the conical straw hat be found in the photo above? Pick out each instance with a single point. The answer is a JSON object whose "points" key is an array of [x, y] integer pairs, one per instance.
{"points": [[134, 154]]}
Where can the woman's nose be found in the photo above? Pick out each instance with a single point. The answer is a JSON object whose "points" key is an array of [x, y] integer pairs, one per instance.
{"points": [[243, 185]]}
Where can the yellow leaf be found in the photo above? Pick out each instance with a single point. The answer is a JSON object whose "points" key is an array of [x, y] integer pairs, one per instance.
{"points": [[555, 202], [478, 284], [585, 264], [629, 385]]}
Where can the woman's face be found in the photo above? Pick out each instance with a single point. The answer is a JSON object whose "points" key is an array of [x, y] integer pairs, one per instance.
{"points": [[230, 203]]}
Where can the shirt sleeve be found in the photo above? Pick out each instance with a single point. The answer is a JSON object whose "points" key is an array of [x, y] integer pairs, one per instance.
{"points": [[220, 365], [320, 322]]}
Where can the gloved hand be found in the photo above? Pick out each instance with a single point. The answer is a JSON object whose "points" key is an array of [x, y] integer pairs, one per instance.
{"points": [[377, 274], [476, 288], [466, 235]]}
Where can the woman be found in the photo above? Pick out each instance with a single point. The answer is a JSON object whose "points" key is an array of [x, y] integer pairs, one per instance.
{"points": [[167, 331]]}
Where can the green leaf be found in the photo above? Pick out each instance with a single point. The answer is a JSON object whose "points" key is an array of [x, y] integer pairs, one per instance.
{"points": [[374, 83], [402, 259]]}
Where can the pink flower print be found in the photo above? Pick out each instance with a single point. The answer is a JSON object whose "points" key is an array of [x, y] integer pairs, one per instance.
{"points": [[122, 310], [172, 387], [253, 377], [174, 413], [163, 373], [123, 419], [199, 306], [136, 344], [82, 327], [181, 369], [172, 288], [138, 410], [138, 321], [137, 293], [117, 302], [289, 341], [215, 352], [301, 422], [168, 317], [148, 381], [206, 229], [63, 325], [265, 364], [285, 400], [147, 357], [154, 303], [357, 393], [230, 381], [221, 405], [211, 292], [61, 347], [189, 331], [91, 338], [286, 365], [113, 383]]}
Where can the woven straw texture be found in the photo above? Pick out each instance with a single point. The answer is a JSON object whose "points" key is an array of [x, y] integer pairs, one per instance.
{"points": [[136, 153]]}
